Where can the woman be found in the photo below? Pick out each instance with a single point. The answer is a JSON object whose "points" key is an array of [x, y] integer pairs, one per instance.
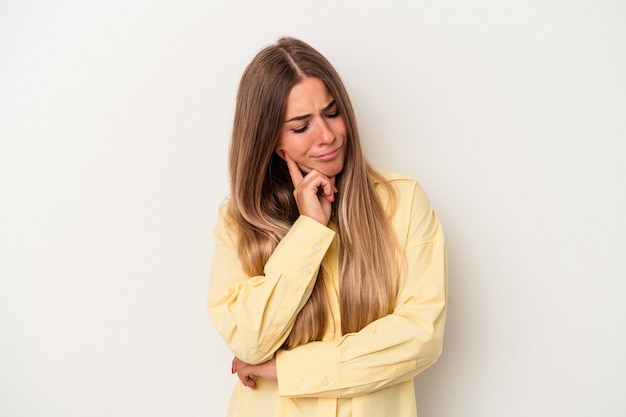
{"points": [[329, 276]]}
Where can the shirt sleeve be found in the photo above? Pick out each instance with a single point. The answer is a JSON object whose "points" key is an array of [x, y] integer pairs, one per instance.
{"points": [[255, 314], [393, 348]]}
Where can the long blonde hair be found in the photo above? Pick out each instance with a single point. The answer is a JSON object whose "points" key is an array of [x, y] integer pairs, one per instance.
{"points": [[263, 207]]}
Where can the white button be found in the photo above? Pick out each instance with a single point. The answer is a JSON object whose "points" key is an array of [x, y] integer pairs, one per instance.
{"points": [[303, 385], [307, 271], [324, 381], [318, 248]]}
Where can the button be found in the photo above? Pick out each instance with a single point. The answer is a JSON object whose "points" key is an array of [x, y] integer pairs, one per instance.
{"points": [[307, 271], [318, 248], [331, 329], [324, 382], [303, 385]]}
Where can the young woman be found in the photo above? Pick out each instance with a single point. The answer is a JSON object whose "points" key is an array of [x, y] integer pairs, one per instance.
{"points": [[329, 276]]}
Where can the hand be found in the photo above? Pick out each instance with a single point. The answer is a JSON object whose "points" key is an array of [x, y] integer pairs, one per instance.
{"points": [[247, 372], [314, 192]]}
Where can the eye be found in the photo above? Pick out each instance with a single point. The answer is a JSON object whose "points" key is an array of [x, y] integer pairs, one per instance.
{"points": [[333, 114], [301, 129]]}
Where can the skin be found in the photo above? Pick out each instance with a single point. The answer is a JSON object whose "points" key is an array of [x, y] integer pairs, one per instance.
{"points": [[313, 144], [248, 373]]}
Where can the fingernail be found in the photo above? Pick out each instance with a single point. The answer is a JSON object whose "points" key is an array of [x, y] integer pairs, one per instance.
{"points": [[336, 189]]}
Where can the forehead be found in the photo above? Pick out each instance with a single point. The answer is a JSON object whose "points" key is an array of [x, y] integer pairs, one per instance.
{"points": [[307, 97]]}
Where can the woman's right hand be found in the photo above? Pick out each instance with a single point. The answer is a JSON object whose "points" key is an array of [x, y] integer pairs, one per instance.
{"points": [[314, 192]]}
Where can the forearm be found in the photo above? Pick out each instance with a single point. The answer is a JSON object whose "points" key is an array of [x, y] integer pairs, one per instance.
{"points": [[255, 314], [359, 363], [389, 350]]}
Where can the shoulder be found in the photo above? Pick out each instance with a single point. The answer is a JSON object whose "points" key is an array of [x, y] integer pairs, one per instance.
{"points": [[410, 208], [403, 185], [225, 226], [391, 176], [224, 211]]}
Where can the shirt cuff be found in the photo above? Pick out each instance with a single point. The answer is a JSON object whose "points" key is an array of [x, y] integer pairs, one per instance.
{"points": [[307, 370], [301, 250]]}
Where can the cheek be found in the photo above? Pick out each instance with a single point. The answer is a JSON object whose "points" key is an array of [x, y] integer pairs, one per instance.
{"points": [[339, 126], [282, 143], [290, 144]]}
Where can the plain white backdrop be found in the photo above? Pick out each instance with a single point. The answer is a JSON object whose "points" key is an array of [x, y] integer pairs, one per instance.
{"points": [[114, 127]]}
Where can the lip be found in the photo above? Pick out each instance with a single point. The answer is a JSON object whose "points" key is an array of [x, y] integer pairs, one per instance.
{"points": [[329, 155]]}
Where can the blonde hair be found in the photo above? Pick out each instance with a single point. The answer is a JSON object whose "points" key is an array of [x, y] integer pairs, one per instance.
{"points": [[263, 207]]}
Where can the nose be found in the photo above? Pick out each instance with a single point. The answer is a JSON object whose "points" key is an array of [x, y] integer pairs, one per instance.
{"points": [[326, 135]]}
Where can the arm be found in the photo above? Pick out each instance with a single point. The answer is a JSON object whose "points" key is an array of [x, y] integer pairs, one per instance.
{"points": [[254, 315], [396, 347]]}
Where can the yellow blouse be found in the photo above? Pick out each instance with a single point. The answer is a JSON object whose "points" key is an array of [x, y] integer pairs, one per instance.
{"points": [[364, 374]]}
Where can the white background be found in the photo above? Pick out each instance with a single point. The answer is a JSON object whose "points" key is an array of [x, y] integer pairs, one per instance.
{"points": [[115, 119]]}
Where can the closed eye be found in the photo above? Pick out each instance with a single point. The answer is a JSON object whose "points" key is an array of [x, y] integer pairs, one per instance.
{"points": [[331, 111], [333, 114], [301, 129]]}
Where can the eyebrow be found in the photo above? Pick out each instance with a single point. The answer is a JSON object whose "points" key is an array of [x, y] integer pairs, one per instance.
{"points": [[305, 116]]}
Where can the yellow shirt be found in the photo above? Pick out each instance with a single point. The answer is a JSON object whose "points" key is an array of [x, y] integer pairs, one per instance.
{"points": [[364, 374]]}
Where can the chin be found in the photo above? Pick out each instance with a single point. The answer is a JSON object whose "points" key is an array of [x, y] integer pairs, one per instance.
{"points": [[331, 171]]}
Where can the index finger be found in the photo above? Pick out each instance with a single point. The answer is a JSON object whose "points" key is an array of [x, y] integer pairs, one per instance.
{"points": [[294, 170]]}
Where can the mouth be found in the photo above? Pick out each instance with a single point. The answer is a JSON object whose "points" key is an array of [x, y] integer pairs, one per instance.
{"points": [[329, 155]]}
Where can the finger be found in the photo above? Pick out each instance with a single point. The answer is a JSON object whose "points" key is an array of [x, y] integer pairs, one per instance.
{"points": [[249, 382], [324, 185], [329, 190], [244, 372], [330, 198], [294, 170]]}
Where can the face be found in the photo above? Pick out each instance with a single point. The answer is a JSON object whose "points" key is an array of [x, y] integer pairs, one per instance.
{"points": [[313, 133]]}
